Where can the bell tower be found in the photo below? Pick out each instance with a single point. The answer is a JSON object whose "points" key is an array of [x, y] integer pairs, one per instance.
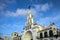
{"points": [[29, 20]]}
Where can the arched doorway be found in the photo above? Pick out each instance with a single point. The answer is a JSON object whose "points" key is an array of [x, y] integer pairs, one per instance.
{"points": [[41, 35], [28, 36], [51, 33], [45, 34]]}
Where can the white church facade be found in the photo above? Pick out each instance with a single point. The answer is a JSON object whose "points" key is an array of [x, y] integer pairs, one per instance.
{"points": [[34, 31]]}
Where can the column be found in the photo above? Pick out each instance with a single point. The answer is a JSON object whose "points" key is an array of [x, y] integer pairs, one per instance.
{"points": [[48, 33], [43, 34]]}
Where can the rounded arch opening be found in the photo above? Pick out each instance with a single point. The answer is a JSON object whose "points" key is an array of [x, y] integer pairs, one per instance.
{"points": [[45, 34], [41, 35], [51, 33], [28, 36]]}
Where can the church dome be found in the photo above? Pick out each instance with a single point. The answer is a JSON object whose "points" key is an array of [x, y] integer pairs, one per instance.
{"points": [[52, 26], [14, 34]]}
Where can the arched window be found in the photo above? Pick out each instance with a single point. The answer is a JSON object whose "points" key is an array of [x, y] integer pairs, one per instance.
{"points": [[41, 35], [31, 39], [51, 33], [45, 34]]}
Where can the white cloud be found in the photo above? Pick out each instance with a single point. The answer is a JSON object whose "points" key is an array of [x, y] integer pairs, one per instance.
{"points": [[47, 20], [18, 12], [44, 21], [13, 26], [43, 7], [57, 16], [2, 6], [5, 3], [21, 11]]}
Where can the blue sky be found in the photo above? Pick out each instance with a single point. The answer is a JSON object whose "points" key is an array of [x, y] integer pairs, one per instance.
{"points": [[13, 14]]}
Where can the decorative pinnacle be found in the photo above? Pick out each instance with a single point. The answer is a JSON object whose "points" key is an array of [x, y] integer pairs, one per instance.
{"points": [[52, 23], [29, 7]]}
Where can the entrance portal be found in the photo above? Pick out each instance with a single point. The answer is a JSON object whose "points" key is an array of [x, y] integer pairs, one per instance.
{"points": [[28, 36]]}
